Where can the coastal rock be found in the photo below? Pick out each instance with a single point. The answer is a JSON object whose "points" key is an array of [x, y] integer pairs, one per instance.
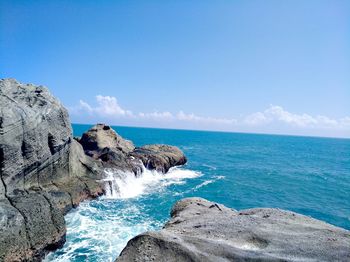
{"points": [[44, 172], [101, 142], [159, 157], [30, 226], [200, 230], [102, 136]]}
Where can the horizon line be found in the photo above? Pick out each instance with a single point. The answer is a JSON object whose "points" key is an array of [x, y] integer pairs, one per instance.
{"points": [[219, 131]]}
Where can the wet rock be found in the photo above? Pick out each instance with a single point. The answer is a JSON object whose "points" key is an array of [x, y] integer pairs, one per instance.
{"points": [[200, 230], [44, 172], [101, 142], [159, 157]]}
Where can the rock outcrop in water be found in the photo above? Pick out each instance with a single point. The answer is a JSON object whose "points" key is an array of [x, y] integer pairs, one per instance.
{"points": [[200, 230], [102, 142], [44, 171], [159, 157]]}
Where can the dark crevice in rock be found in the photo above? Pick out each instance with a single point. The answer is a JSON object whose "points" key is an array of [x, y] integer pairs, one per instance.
{"points": [[51, 143], [24, 149]]}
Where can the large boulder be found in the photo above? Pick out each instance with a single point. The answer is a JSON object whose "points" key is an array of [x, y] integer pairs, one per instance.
{"points": [[44, 172], [159, 157], [102, 136], [101, 142], [200, 230]]}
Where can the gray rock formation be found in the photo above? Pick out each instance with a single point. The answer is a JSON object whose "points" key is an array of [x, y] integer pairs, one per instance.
{"points": [[159, 157], [200, 230], [102, 136], [102, 142], [44, 172]]}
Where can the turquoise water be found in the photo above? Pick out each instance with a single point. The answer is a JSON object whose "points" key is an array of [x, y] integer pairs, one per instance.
{"points": [[303, 174]]}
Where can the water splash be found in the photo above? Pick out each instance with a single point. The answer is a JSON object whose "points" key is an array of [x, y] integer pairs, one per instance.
{"points": [[98, 230], [119, 184]]}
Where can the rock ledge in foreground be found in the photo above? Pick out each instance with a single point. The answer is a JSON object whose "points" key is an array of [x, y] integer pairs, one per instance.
{"points": [[200, 230]]}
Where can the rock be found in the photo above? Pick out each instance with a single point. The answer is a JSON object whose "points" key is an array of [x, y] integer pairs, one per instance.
{"points": [[44, 171], [200, 230], [31, 226], [103, 143], [159, 157], [34, 132], [14, 245], [103, 136]]}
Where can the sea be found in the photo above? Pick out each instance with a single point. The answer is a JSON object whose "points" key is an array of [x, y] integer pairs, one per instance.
{"points": [[308, 175]]}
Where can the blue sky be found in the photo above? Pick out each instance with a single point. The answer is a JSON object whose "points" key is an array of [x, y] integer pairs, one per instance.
{"points": [[251, 66]]}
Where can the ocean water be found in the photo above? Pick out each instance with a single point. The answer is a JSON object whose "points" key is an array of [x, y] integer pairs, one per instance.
{"points": [[307, 175]]}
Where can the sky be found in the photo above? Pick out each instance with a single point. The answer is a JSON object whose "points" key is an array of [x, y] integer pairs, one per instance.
{"points": [[280, 67]]}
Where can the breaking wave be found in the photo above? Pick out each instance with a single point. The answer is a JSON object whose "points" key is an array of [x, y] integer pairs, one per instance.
{"points": [[98, 230], [123, 185]]}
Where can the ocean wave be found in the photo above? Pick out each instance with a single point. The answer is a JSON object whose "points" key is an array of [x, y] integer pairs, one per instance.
{"points": [[98, 230], [204, 183], [126, 185]]}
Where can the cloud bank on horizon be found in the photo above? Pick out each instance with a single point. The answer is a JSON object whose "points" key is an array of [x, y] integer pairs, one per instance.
{"points": [[274, 119]]}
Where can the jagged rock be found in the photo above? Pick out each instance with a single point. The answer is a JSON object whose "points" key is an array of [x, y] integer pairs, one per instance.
{"points": [[102, 136], [14, 245], [30, 226], [35, 131], [103, 143], [44, 172], [200, 230], [159, 157]]}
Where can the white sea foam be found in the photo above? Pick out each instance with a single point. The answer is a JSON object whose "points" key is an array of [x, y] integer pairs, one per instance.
{"points": [[204, 183], [126, 185], [98, 230]]}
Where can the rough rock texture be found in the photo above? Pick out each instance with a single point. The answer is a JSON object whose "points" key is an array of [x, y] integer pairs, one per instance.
{"points": [[44, 172], [200, 230], [102, 142], [159, 157], [102, 136]]}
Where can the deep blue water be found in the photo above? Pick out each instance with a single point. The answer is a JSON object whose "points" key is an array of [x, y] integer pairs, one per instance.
{"points": [[307, 175]]}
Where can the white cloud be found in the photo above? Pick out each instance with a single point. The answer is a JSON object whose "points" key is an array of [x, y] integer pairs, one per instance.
{"points": [[157, 116], [345, 122], [192, 117], [278, 114], [268, 120], [257, 118], [107, 106]]}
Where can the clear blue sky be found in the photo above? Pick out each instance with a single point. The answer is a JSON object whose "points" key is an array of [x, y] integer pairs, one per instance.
{"points": [[220, 60]]}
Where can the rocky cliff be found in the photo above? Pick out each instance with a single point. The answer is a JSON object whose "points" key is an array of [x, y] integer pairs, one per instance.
{"points": [[44, 172], [200, 230]]}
